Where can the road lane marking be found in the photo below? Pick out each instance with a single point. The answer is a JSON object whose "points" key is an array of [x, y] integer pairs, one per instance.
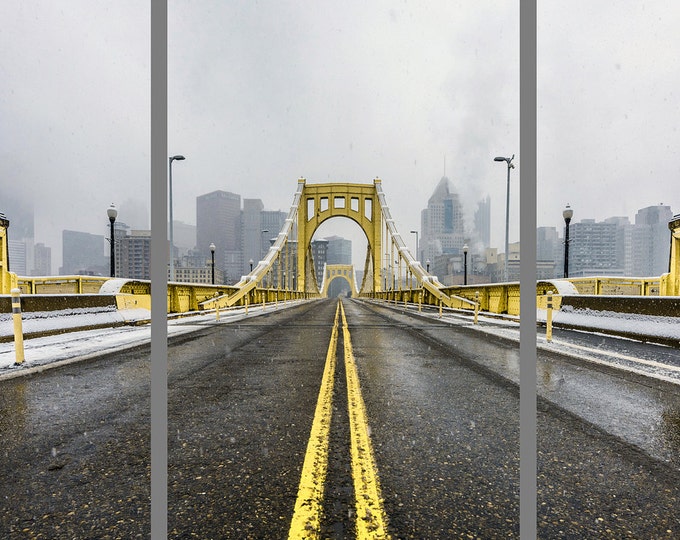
{"points": [[371, 520], [306, 522]]}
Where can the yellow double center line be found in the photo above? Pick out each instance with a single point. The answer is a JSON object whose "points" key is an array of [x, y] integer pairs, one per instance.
{"points": [[371, 521]]}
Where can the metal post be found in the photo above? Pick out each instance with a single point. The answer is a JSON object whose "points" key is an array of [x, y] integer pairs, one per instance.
{"points": [[416, 233], [18, 327], [465, 252], [567, 213], [508, 161], [112, 213], [476, 306], [172, 244], [507, 225], [548, 318], [212, 256]]}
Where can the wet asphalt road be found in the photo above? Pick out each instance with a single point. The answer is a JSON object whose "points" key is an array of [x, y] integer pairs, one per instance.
{"points": [[443, 422], [74, 451]]}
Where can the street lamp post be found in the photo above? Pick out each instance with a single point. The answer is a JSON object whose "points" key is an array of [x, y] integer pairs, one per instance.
{"points": [[416, 233], [112, 212], [465, 252], [507, 208], [427, 262], [172, 245], [567, 214], [251, 264], [212, 256]]}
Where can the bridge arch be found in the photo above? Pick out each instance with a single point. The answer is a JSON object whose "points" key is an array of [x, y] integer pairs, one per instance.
{"points": [[335, 271], [321, 202]]}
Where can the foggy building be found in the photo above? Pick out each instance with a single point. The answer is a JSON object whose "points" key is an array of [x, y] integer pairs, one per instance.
{"points": [[442, 225], [42, 260], [549, 256], [339, 250], [218, 221], [483, 221], [83, 253], [184, 238], [649, 248]]}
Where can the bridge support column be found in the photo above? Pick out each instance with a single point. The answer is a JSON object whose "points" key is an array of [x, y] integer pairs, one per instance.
{"points": [[672, 280]]}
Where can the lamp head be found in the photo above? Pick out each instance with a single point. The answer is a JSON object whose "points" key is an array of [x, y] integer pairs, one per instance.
{"points": [[212, 247], [567, 213], [178, 157], [112, 212]]}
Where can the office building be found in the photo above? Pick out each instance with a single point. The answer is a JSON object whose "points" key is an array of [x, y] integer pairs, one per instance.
{"points": [[83, 254], [442, 225]]}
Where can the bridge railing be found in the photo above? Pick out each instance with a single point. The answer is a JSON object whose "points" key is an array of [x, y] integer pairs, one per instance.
{"points": [[61, 284], [605, 285]]}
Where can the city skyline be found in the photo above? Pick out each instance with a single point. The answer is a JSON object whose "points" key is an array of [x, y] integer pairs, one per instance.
{"points": [[260, 95]]}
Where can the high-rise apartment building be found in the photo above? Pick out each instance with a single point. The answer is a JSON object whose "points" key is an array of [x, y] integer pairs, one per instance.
{"points": [[595, 248], [133, 255]]}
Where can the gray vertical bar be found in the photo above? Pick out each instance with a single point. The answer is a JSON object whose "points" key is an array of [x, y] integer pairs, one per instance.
{"points": [[527, 346], [159, 279]]}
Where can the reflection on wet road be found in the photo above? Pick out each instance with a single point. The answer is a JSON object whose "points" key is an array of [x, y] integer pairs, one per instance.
{"points": [[441, 413]]}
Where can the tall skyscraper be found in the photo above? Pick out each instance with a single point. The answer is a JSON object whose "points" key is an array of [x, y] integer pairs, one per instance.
{"points": [[442, 225], [218, 221]]}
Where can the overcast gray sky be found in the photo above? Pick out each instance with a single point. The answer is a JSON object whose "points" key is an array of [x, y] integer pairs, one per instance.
{"points": [[261, 93]]}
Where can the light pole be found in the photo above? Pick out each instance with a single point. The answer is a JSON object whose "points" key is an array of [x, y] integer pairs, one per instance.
{"points": [[567, 213], [212, 256], [416, 233], [251, 264], [465, 250], [172, 245], [112, 212], [507, 208], [427, 262]]}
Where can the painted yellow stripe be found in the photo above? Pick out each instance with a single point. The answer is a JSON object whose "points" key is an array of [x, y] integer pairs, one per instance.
{"points": [[371, 521], [306, 521]]}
